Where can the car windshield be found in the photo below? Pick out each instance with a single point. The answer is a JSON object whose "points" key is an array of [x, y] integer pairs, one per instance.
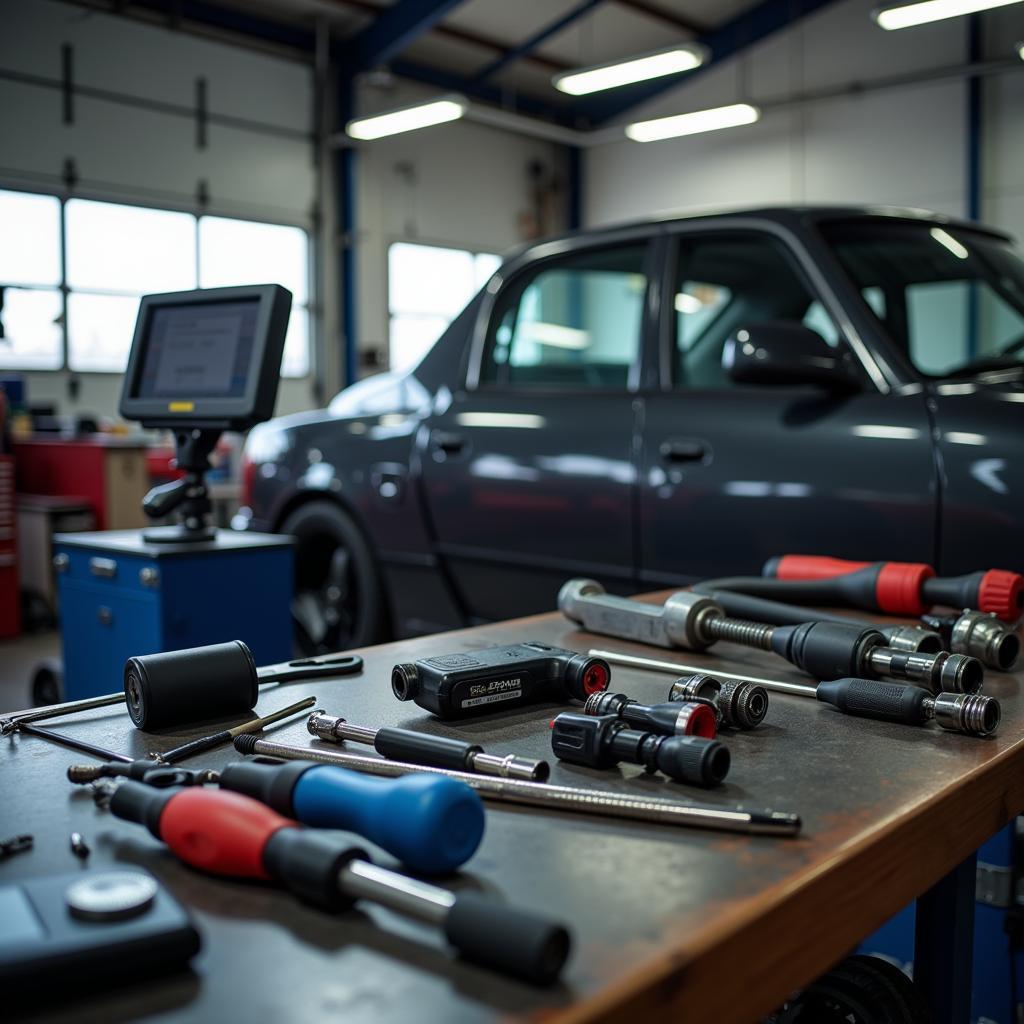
{"points": [[951, 298]]}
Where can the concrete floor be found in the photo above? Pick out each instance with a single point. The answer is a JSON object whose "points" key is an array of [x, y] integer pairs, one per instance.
{"points": [[18, 659]]}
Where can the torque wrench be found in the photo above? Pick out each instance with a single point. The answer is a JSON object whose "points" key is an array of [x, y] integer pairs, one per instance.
{"points": [[961, 712], [673, 719], [740, 704], [902, 587], [497, 678], [825, 650], [606, 741], [576, 799], [424, 748], [900, 637], [969, 713], [230, 834]]}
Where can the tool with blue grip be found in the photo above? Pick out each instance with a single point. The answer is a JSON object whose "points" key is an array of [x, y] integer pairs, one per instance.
{"points": [[431, 823]]}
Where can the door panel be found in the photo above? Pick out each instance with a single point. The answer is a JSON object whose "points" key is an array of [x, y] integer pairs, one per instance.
{"points": [[733, 475], [530, 477]]}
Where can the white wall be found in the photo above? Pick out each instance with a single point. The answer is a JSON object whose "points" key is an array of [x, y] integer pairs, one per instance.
{"points": [[462, 185], [904, 146], [143, 156]]}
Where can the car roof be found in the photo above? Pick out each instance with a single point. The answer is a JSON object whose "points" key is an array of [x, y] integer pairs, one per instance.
{"points": [[789, 216]]}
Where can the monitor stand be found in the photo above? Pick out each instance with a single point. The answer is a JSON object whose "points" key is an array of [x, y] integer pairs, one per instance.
{"points": [[188, 494]]}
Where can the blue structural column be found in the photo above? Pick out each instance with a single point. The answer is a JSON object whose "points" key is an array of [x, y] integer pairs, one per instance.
{"points": [[346, 165]]}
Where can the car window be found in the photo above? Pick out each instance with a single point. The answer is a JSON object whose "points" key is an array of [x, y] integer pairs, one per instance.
{"points": [[724, 281], [572, 322]]}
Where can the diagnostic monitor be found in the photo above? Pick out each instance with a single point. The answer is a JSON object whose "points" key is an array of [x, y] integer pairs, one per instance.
{"points": [[207, 359]]}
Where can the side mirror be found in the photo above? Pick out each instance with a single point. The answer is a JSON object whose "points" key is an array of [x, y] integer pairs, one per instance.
{"points": [[785, 353]]}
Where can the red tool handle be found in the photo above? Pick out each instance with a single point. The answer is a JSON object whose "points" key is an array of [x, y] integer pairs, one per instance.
{"points": [[810, 567], [219, 831]]}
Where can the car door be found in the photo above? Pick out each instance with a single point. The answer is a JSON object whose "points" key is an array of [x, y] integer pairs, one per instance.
{"points": [[529, 471], [735, 474]]}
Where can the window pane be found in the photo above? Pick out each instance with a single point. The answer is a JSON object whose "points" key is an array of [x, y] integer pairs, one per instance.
{"points": [[129, 249], [730, 280], [425, 279], [575, 322], [411, 337], [295, 362], [31, 328], [245, 252], [100, 329], [29, 239]]}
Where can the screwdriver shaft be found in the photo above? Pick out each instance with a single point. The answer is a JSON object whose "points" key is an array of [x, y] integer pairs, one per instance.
{"points": [[11, 722], [566, 798], [678, 668]]}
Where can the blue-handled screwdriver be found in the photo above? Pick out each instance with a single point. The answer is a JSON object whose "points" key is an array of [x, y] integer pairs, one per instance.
{"points": [[431, 823]]}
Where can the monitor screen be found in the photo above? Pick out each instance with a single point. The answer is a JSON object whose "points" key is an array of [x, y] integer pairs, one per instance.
{"points": [[199, 351]]}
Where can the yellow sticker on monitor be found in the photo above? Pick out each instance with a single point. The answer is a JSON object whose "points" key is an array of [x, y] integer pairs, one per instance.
{"points": [[181, 406]]}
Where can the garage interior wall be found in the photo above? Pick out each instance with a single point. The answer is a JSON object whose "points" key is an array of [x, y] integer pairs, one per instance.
{"points": [[903, 146], [418, 187]]}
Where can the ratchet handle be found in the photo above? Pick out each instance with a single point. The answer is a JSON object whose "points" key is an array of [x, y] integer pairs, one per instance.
{"points": [[870, 698], [311, 668]]}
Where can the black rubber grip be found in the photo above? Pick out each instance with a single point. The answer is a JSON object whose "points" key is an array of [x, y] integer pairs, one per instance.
{"points": [[424, 748], [825, 650], [870, 698], [854, 590], [308, 864], [135, 801], [271, 784], [693, 759], [953, 591], [507, 939]]}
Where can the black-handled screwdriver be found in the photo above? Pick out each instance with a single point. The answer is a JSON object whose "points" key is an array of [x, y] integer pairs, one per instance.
{"points": [[970, 713], [427, 749]]}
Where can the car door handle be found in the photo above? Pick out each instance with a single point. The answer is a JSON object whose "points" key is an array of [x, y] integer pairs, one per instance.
{"points": [[450, 444], [683, 449]]}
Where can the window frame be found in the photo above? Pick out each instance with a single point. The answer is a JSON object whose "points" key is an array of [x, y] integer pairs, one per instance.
{"points": [[312, 306], [810, 273], [535, 261]]}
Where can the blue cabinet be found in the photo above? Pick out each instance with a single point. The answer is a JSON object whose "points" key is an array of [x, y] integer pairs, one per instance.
{"points": [[121, 596]]}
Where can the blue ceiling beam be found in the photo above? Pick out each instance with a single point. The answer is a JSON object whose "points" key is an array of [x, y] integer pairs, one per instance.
{"points": [[726, 41], [514, 53], [394, 29]]}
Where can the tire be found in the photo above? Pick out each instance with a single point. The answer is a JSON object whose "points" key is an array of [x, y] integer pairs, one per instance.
{"points": [[859, 990], [338, 601], [47, 683]]}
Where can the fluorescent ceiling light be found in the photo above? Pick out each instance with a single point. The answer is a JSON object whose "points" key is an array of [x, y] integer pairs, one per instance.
{"points": [[909, 15], [555, 335], [944, 238], [692, 124], [687, 303], [636, 69], [407, 119]]}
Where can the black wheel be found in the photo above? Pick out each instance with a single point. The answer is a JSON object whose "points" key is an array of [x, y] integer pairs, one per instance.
{"points": [[338, 602], [859, 990], [48, 682]]}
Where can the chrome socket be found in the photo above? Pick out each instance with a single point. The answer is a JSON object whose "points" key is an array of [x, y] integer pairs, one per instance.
{"points": [[986, 638], [970, 713]]}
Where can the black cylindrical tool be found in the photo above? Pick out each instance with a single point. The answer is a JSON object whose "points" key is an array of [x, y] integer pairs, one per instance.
{"points": [[604, 742], [188, 686], [689, 718], [427, 749], [973, 714]]}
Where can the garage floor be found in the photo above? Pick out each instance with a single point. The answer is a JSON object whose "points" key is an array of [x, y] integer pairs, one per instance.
{"points": [[17, 660]]}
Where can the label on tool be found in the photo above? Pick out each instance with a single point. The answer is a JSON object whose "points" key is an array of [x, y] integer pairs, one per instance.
{"points": [[492, 692]]}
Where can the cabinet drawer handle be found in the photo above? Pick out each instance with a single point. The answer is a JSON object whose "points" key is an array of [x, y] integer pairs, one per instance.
{"points": [[105, 567]]}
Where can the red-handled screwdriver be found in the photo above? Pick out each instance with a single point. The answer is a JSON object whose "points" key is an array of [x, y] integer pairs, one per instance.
{"points": [[908, 588], [229, 834]]}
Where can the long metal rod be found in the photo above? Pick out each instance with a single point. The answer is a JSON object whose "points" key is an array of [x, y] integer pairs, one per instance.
{"points": [[11, 721], [563, 798], [679, 668], [70, 741]]}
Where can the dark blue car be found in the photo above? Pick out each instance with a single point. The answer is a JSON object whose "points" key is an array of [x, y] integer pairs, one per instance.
{"points": [[652, 404]]}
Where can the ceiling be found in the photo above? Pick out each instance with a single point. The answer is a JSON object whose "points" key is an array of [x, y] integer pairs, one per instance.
{"points": [[477, 32]]}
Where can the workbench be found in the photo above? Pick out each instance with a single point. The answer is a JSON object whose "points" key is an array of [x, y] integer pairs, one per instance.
{"points": [[669, 923]]}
